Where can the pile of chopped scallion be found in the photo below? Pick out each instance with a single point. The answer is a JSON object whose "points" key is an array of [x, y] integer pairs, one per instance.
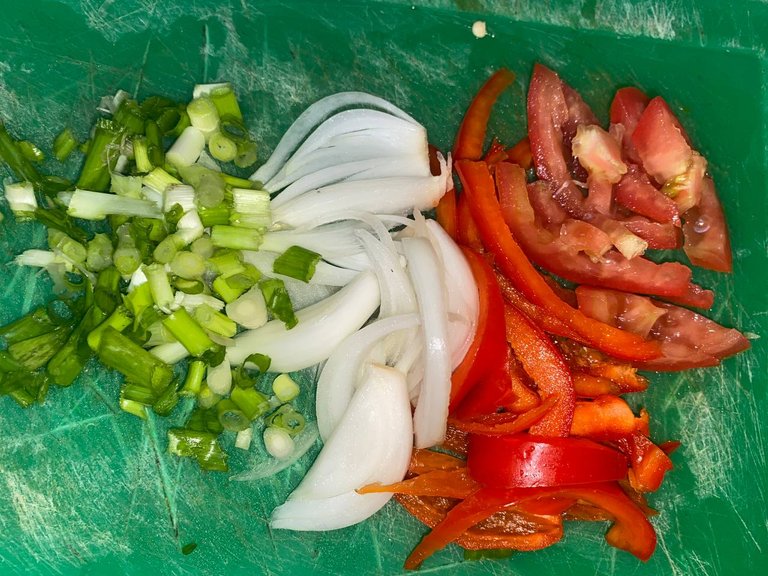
{"points": [[145, 252]]}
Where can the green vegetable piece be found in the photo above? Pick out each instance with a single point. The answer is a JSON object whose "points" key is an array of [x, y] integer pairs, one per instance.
{"points": [[64, 144], [278, 301], [101, 156], [297, 262], [134, 362]]}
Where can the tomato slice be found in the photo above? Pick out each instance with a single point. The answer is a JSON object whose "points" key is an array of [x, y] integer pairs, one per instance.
{"points": [[471, 135], [661, 142], [511, 260], [635, 192], [526, 461], [688, 340], [707, 242], [660, 236], [545, 208], [669, 279], [626, 108]]}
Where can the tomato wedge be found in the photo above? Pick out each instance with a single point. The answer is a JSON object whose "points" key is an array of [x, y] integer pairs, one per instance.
{"points": [[527, 461], [486, 211], [669, 279], [707, 242], [626, 108], [635, 192], [471, 134]]}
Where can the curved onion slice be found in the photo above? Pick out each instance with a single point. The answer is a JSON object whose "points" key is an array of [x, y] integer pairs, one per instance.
{"points": [[372, 443], [315, 114], [320, 328], [431, 414], [336, 384], [336, 242]]}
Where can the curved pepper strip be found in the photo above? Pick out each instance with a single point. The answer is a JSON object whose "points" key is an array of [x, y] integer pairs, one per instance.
{"points": [[488, 351], [455, 483], [607, 417], [446, 213], [471, 135], [466, 233], [631, 530], [509, 257], [544, 363], [649, 463]]}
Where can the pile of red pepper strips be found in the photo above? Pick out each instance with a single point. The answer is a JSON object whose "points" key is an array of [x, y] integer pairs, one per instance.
{"points": [[538, 431]]}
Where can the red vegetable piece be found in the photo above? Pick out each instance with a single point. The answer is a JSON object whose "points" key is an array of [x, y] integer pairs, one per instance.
{"points": [[446, 213], [635, 192], [544, 363], [630, 312], [627, 107], [579, 236], [527, 461], [466, 233], [511, 260], [471, 135], [649, 463], [707, 242], [669, 279], [606, 417], [661, 142], [545, 208], [520, 153], [658, 236]]}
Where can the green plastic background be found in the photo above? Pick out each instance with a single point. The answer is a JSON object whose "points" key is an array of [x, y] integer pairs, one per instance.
{"points": [[86, 489]]}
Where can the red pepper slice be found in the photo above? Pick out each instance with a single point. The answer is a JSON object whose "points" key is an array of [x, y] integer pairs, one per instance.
{"points": [[607, 417], [446, 213], [520, 154], [488, 351], [545, 364], [471, 135], [455, 483], [649, 462], [527, 461], [467, 234], [504, 422], [480, 190]]}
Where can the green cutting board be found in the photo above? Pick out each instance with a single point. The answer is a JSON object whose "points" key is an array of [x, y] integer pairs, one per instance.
{"points": [[87, 489]]}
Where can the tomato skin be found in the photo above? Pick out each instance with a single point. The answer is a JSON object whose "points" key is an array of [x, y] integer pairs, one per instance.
{"points": [[661, 142], [626, 108], [527, 461], [635, 192], [707, 242], [658, 235]]}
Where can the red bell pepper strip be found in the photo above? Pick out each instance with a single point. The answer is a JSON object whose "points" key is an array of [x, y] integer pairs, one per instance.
{"points": [[504, 422], [488, 351], [471, 135], [496, 153], [446, 213], [649, 463], [607, 417], [544, 363], [423, 460], [631, 530], [528, 461], [509, 257], [589, 386], [520, 154], [467, 233], [455, 483]]}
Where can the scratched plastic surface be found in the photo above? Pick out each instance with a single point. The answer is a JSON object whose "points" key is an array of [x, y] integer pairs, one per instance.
{"points": [[86, 489]]}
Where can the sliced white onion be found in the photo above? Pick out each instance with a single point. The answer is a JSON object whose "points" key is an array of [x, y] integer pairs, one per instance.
{"points": [[397, 295], [336, 242], [312, 116], [372, 443], [320, 328], [397, 195], [431, 413], [337, 381], [219, 378]]}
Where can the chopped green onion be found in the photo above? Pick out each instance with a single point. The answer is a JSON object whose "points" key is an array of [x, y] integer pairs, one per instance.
{"points": [[210, 190], [126, 257], [207, 398], [287, 419], [19, 164], [64, 144], [99, 253], [214, 321], [95, 174], [136, 364], [194, 379], [278, 301], [181, 194], [236, 238], [214, 216], [203, 446], [221, 147], [188, 286], [129, 116], [154, 143], [30, 151], [159, 179], [244, 438], [251, 208], [90, 205], [249, 310], [285, 388], [21, 199], [187, 148], [167, 249], [160, 285], [141, 155], [252, 402], [139, 393], [219, 378], [227, 262], [106, 292], [188, 265], [278, 442], [187, 331], [123, 185], [227, 292], [203, 246], [58, 241], [28, 326], [8, 363], [139, 299], [223, 97], [236, 182], [119, 320], [247, 154], [203, 114], [166, 401], [231, 416], [188, 548], [297, 262], [35, 352]]}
